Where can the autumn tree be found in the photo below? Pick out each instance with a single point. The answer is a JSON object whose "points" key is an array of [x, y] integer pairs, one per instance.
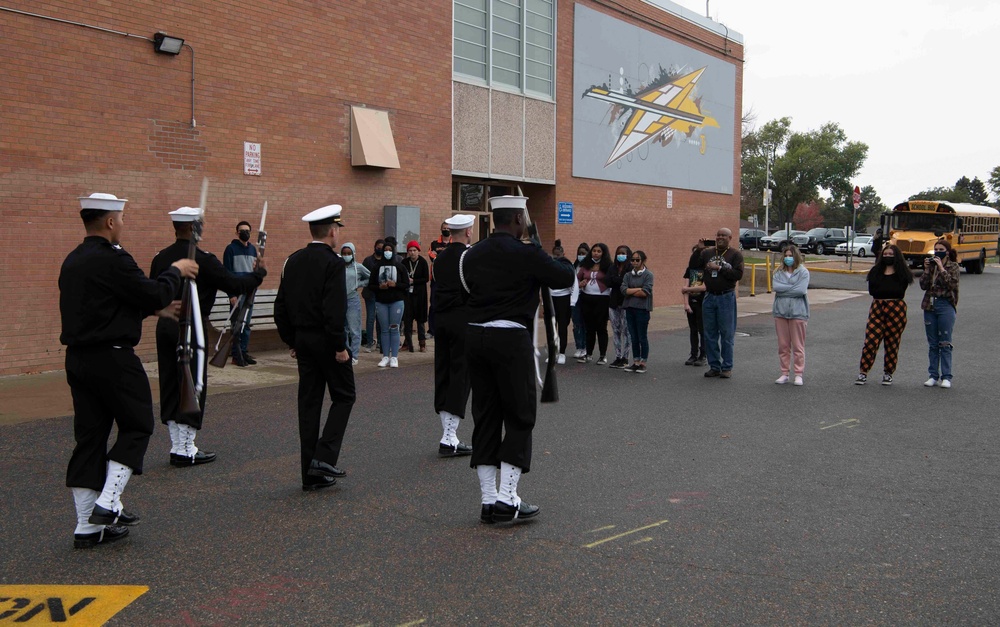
{"points": [[807, 216]]}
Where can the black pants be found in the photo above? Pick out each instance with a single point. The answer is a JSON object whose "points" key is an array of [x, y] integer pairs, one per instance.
{"points": [[696, 325], [166, 360], [319, 371], [109, 388], [502, 373], [563, 315], [595, 320], [411, 314], [451, 380]]}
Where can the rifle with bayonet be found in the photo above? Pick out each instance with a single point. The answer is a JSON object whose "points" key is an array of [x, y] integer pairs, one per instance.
{"points": [[239, 317], [550, 390], [191, 334]]}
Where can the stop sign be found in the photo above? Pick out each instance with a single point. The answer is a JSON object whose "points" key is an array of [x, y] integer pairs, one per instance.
{"points": [[857, 197]]}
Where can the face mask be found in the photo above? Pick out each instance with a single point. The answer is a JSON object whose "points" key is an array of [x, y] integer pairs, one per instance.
{"points": [[387, 254], [580, 258], [445, 233], [595, 259], [789, 261], [244, 236], [348, 258], [622, 258], [941, 254], [888, 260]]}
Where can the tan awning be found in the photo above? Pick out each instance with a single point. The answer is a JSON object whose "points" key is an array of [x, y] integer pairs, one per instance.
{"points": [[371, 139]]}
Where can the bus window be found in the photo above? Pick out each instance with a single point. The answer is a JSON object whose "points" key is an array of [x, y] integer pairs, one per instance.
{"points": [[924, 222]]}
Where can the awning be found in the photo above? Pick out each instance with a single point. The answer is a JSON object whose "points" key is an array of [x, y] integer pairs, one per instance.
{"points": [[371, 139]]}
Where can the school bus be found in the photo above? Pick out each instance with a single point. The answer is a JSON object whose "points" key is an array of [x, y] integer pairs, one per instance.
{"points": [[915, 225]]}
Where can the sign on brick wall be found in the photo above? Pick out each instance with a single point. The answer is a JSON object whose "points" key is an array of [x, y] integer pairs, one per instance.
{"points": [[251, 159]]}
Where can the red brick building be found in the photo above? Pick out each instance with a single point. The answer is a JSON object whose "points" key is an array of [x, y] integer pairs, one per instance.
{"points": [[89, 106]]}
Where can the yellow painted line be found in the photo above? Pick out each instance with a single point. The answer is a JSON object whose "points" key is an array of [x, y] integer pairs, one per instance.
{"points": [[416, 622], [622, 535], [65, 605], [646, 539], [601, 529], [850, 423]]}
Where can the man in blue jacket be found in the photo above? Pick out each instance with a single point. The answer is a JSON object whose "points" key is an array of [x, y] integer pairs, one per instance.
{"points": [[239, 258]]}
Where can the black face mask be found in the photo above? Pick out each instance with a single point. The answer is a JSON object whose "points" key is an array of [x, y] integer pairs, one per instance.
{"points": [[445, 233], [244, 236]]}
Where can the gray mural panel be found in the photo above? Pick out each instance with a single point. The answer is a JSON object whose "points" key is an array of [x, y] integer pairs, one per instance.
{"points": [[650, 110]]}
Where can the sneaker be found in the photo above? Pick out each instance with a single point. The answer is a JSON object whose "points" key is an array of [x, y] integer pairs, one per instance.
{"points": [[393, 362], [861, 380], [929, 383], [383, 362], [945, 383], [640, 369], [368, 348], [690, 361], [887, 379], [247, 357], [630, 368], [583, 358], [701, 361], [579, 353], [798, 381], [354, 362], [618, 363], [712, 373], [561, 359], [603, 361], [782, 380], [726, 374]]}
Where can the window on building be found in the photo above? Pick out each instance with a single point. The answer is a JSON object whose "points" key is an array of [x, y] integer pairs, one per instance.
{"points": [[510, 43]]}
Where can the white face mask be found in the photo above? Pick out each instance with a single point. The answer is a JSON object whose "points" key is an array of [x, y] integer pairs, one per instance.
{"points": [[348, 258]]}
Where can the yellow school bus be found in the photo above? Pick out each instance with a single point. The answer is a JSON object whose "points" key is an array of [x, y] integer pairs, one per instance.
{"points": [[972, 230]]}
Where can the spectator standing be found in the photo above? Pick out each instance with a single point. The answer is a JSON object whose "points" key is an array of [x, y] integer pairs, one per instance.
{"points": [[389, 282], [616, 310], [371, 262], [415, 310], [637, 288], [576, 313], [595, 299], [694, 295], [887, 283], [723, 271], [790, 284], [240, 258], [940, 284], [357, 278], [563, 300]]}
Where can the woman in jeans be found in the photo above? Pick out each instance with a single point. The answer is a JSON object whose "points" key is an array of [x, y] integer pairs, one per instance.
{"points": [[357, 278], [579, 329], [616, 310], [791, 314], [637, 287], [940, 285], [389, 282], [563, 300], [595, 297]]}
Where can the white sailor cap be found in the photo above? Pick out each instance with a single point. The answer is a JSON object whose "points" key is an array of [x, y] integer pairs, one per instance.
{"points": [[186, 214], [329, 214], [508, 202], [460, 221], [104, 202]]}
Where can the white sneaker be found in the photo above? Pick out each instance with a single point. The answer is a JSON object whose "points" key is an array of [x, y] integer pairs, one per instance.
{"points": [[782, 380], [945, 383], [561, 359], [798, 381], [393, 362], [354, 362], [383, 362], [929, 383], [579, 353]]}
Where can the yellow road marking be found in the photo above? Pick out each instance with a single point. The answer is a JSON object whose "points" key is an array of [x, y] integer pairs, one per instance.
{"points": [[605, 528], [646, 539], [850, 423], [416, 622], [65, 605], [622, 535]]}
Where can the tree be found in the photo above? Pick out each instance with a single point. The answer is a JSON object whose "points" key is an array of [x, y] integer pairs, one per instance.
{"points": [[947, 194], [807, 216], [994, 182], [840, 210], [977, 192]]}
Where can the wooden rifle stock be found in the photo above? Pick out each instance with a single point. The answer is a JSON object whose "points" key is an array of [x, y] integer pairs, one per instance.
{"points": [[188, 404]]}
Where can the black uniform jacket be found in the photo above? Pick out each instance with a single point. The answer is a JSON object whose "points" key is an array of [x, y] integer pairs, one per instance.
{"points": [[449, 295], [103, 295], [313, 295], [212, 275], [504, 275]]}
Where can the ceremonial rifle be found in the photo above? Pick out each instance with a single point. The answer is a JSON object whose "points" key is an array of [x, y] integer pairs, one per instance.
{"points": [[239, 317], [550, 391], [191, 334]]}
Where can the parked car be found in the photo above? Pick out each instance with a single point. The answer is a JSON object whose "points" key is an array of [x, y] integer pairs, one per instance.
{"points": [[862, 246], [779, 239], [750, 238], [823, 241]]}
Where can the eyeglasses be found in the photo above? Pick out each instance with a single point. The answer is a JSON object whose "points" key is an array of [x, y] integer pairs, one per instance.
{"points": [[637, 261]]}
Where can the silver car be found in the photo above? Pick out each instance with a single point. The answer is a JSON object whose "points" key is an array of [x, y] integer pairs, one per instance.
{"points": [[779, 239]]}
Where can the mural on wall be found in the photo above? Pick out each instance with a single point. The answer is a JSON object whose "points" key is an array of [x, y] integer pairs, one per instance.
{"points": [[651, 111]]}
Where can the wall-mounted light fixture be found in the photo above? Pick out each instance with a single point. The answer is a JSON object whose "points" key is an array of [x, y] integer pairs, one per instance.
{"points": [[165, 44]]}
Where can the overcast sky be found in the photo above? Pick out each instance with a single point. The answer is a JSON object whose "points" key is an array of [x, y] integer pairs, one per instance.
{"points": [[917, 81]]}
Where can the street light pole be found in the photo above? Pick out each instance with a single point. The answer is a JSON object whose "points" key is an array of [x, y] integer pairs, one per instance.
{"points": [[767, 197]]}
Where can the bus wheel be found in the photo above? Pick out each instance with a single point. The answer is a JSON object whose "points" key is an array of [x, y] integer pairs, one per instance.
{"points": [[981, 264]]}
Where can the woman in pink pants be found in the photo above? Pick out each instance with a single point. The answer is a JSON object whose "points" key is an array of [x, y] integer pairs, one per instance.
{"points": [[791, 311]]}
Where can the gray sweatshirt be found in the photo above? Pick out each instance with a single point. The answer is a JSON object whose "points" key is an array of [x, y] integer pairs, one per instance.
{"points": [[643, 279], [790, 299]]}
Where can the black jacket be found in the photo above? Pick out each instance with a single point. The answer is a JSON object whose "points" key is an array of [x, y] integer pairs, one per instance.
{"points": [[312, 296], [449, 295], [390, 294], [212, 275]]}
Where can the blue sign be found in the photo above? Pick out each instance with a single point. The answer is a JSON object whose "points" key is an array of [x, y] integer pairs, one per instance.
{"points": [[565, 213]]}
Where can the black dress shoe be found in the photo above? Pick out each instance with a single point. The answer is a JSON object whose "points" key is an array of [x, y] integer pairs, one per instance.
{"points": [[108, 534], [486, 515], [323, 469], [460, 449], [250, 360], [319, 484], [103, 516], [201, 457], [502, 512]]}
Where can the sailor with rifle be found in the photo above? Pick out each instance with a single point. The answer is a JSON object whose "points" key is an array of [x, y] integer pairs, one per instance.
{"points": [[183, 376], [103, 298], [503, 276]]}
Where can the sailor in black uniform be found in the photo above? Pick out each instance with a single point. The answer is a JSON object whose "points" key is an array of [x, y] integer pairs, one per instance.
{"points": [[451, 381], [212, 277], [503, 276], [103, 297], [311, 312]]}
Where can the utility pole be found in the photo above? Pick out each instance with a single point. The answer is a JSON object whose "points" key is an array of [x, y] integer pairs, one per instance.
{"points": [[767, 196]]}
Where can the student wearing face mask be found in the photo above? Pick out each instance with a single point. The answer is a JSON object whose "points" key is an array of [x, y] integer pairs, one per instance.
{"points": [[637, 288], [616, 310], [595, 298], [389, 283], [791, 312], [239, 258], [887, 283], [940, 284], [576, 313], [357, 278]]}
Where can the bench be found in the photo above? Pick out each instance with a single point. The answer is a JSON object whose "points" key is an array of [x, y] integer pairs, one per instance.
{"points": [[264, 335]]}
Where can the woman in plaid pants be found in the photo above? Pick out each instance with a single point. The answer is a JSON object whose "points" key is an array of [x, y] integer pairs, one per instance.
{"points": [[887, 283]]}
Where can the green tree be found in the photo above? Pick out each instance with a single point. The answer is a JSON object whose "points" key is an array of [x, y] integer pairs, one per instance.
{"points": [[947, 194], [994, 182], [977, 192], [839, 211]]}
